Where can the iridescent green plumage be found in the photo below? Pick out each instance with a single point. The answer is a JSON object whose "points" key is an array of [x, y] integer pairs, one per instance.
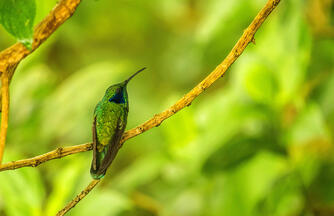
{"points": [[110, 117]]}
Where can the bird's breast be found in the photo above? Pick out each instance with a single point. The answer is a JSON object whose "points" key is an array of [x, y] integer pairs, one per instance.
{"points": [[108, 120]]}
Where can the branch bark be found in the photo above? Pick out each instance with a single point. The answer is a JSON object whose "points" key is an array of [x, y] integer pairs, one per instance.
{"points": [[5, 113], [12, 56], [55, 154], [246, 38]]}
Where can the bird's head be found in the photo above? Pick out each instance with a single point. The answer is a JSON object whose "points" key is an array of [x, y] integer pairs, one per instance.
{"points": [[117, 93]]}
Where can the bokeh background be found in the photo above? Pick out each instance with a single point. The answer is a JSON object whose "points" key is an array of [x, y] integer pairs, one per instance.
{"points": [[258, 142]]}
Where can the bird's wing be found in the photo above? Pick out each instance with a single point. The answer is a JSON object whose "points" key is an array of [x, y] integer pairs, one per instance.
{"points": [[94, 165], [112, 147]]}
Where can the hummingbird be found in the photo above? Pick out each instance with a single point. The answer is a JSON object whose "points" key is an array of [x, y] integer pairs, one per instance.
{"points": [[110, 118]]}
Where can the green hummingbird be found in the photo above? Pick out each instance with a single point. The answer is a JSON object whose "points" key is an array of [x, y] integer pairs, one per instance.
{"points": [[110, 117]]}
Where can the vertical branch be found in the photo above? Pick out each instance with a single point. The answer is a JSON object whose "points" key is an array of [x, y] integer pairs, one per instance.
{"points": [[4, 113]]}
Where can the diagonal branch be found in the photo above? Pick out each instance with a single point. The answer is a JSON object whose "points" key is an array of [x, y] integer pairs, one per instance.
{"points": [[12, 56], [246, 38]]}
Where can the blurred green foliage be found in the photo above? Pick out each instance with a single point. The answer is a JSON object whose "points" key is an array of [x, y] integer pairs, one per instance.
{"points": [[258, 142]]}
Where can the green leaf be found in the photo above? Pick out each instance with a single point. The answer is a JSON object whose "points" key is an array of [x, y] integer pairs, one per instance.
{"points": [[17, 17]]}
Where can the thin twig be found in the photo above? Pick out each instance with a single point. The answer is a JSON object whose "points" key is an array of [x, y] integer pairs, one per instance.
{"points": [[5, 113], [12, 56], [79, 197], [246, 38], [55, 154]]}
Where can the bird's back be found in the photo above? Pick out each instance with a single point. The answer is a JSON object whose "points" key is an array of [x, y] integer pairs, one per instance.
{"points": [[110, 121]]}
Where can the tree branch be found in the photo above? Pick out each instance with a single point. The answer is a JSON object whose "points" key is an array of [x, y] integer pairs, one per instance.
{"points": [[246, 38], [12, 56], [55, 154], [79, 197], [5, 113]]}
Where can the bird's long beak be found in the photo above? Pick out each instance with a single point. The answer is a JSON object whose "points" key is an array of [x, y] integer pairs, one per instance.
{"points": [[133, 75]]}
